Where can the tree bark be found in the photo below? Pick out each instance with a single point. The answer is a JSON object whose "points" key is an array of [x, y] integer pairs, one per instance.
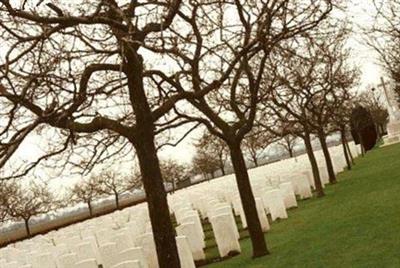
{"points": [[255, 161], [163, 231], [116, 200], [382, 129], [143, 141], [378, 133], [349, 151], [90, 208], [290, 150], [345, 153], [314, 165], [222, 166], [173, 186], [213, 175], [327, 156], [249, 205], [28, 230]]}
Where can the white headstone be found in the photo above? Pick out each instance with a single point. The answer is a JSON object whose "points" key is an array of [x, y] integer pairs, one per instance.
{"points": [[225, 234], [67, 261], [274, 201], [133, 254], [195, 241], [185, 254]]}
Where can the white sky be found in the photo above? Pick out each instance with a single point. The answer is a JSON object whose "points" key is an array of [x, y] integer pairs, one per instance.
{"points": [[360, 13]]}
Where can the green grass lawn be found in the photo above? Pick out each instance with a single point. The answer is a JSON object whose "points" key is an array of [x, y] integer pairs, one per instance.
{"points": [[357, 223]]}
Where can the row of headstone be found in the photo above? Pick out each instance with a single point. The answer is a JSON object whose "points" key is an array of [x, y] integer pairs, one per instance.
{"points": [[125, 239], [214, 201]]}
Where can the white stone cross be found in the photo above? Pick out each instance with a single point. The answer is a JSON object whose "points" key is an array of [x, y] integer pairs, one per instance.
{"points": [[391, 101]]}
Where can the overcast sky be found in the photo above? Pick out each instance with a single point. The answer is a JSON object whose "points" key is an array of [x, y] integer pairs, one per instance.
{"points": [[360, 13]]}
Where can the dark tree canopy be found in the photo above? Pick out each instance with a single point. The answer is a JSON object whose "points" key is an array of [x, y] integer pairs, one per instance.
{"points": [[363, 128]]}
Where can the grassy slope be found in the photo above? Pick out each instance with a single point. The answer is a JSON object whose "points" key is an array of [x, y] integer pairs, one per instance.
{"points": [[356, 225]]}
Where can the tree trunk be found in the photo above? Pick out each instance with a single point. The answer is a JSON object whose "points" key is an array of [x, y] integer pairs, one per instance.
{"points": [[173, 186], [117, 200], [349, 151], [314, 165], [255, 161], [249, 205], [90, 208], [382, 129], [213, 175], [28, 230], [378, 133], [290, 150], [346, 155], [327, 156], [222, 166], [163, 231], [143, 141]]}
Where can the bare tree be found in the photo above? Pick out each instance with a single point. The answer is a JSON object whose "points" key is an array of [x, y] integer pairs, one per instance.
{"points": [[87, 191], [375, 106], [256, 143], [313, 82], [287, 103], [215, 149], [66, 72], [238, 57], [288, 116], [81, 71], [289, 142], [134, 181], [384, 37], [3, 214], [173, 172], [336, 77], [205, 164], [22, 203], [340, 121], [112, 183], [3, 195]]}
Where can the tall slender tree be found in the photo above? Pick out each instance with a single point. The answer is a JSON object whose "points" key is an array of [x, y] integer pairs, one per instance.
{"points": [[87, 191], [288, 142], [238, 56], [340, 121], [80, 71], [384, 37], [22, 203], [255, 144], [213, 148], [113, 183], [174, 172], [315, 78], [205, 164], [336, 77]]}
